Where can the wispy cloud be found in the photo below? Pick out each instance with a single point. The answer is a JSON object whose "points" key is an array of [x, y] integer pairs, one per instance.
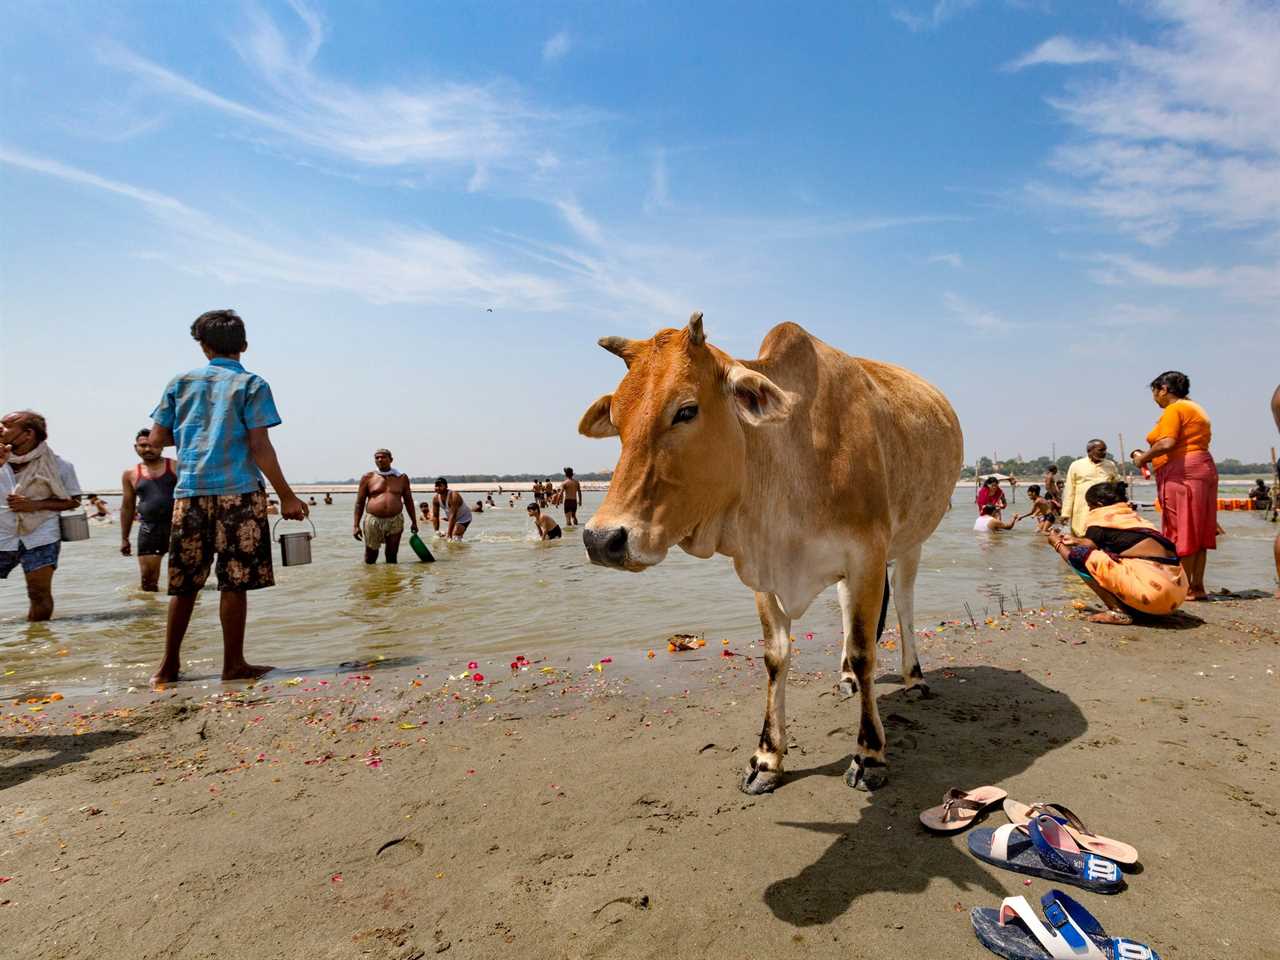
{"points": [[953, 260], [933, 16], [1137, 315], [972, 315], [815, 228], [1258, 283], [379, 263], [578, 221], [659, 185], [1183, 130], [476, 129], [1063, 51], [557, 46]]}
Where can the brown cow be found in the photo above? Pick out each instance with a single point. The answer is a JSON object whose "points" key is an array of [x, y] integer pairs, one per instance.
{"points": [[808, 467]]}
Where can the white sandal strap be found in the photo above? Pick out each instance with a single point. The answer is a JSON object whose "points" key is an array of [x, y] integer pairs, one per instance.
{"points": [[1052, 941], [1000, 841]]}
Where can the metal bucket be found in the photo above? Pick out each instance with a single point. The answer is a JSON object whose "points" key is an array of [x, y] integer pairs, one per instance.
{"points": [[295, 548], [74, 526]]}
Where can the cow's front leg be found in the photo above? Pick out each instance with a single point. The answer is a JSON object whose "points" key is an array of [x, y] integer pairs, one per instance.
{"points": [[766, 763], [866, 597]]}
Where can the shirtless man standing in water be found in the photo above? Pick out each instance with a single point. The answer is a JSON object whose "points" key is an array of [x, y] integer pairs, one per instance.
{"points": [[383, 493], [572, 491]]}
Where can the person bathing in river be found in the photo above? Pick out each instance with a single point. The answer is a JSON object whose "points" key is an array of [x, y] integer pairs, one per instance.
{"points": [[36, 485], [382, 494], [1053, 486], [989, 520], [1042, 509], [991, 494], [148, 493], [546, 526], [449, 503], [572, 491], [1125, 560]]}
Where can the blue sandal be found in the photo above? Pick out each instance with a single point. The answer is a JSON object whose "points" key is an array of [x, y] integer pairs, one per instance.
{"points": [[1072, 933], [1048, 851]]}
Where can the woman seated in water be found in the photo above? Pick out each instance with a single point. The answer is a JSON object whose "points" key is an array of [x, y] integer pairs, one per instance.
{"points": [[1042, 509], [1124, 559], [546, 526], [989, 520]]}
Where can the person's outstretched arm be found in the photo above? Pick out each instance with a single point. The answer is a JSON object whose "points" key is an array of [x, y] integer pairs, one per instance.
{"points": [[264, 455]]}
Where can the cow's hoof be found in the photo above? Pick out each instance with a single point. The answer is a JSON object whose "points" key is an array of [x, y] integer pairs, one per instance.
{"points": [[758, 781], [847, 688], [866, 774], [921, 689]]}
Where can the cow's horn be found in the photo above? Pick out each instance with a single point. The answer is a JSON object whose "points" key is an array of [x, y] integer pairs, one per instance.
{"points": [[696, 336], [620, 346]]}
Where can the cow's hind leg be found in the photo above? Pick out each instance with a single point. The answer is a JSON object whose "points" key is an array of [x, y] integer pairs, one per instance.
{"points": [[904, 601], [866, 597], [848, 679], [766, 763]]}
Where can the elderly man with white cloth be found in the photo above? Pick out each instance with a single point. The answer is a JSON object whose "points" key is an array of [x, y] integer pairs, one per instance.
{"points": [[1092, 468], [36, 485]]}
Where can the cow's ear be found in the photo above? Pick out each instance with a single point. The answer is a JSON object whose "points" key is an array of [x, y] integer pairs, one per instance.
{"points": [[595, 422], [756, 398]]}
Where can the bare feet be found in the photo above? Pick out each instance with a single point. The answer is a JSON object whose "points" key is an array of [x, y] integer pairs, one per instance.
{"points": [[244, 671], [1112, 616], [164, 675], [1197, 596]]}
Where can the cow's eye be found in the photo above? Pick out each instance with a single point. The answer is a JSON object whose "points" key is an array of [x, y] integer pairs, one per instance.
{"points": [[685, 414]]}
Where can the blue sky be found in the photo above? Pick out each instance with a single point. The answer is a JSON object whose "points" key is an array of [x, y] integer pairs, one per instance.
{"points": [[1037, 205]]}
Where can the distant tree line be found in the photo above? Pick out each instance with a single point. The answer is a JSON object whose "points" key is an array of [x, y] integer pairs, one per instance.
{"points": [[557, 476], [1016, 467]]}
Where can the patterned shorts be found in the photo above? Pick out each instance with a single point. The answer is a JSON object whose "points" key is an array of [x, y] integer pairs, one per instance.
{"points": [[377, 530], [235, 528]]}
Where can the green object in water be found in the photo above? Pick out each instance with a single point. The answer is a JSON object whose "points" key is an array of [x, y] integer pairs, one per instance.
{"points": [[420, 549]]}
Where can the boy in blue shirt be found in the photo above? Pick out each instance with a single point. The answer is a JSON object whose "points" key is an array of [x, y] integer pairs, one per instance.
{"points": [[218, 417]]}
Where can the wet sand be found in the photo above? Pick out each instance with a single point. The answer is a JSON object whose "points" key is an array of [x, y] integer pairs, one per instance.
{"points": [[584, 813]]}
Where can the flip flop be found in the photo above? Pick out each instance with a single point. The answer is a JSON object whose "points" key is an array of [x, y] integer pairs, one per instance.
{"points": [[961, 809], [1048, 851], [1016, 933], [1020, 813]]}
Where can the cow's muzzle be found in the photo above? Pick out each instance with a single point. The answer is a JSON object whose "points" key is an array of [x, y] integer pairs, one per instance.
{"points": [[606, 546]]}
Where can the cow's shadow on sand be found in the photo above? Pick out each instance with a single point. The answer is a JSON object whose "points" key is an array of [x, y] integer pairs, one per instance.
{"points": [[49, 752], [988, 725]]}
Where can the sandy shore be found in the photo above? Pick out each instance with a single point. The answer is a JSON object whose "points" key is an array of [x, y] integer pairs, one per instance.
{"points": [[565, 812]]}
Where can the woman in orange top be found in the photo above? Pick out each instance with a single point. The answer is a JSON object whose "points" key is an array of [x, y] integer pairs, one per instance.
{"points": [[1186, 477]]}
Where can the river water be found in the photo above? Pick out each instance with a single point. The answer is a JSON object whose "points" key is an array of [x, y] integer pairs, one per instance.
{"points": [[499, 594]]}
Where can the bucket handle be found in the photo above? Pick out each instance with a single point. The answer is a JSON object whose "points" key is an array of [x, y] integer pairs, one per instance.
{"points": [[314, 535]]}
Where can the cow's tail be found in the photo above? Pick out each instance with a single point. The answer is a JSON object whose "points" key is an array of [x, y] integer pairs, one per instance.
{"points": [[884, 605]]}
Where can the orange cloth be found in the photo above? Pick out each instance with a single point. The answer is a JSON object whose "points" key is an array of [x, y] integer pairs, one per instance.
{"points": [[1145, 585], [1186, 423]]}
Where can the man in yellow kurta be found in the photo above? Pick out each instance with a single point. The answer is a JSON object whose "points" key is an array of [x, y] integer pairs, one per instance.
{"points": [[1081, 475]]}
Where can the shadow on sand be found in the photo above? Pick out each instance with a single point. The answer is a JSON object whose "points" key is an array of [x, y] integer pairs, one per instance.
{"points": [[988, 725], [64, 749]]}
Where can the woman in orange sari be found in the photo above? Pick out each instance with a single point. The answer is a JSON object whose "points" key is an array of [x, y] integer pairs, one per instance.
{"points": [[1186, 477], [1130, 565]]}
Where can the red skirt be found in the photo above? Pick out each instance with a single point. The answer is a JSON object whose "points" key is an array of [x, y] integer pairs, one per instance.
{"points": [[1188, 493]]}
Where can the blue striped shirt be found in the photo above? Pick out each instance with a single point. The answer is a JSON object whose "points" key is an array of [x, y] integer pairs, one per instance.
{"points": [[210, 412]]}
